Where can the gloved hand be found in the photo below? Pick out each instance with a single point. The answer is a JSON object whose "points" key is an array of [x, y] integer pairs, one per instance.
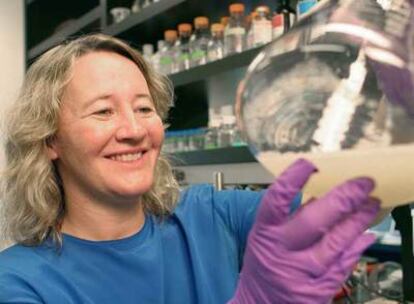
{"points": [[306, 257]]}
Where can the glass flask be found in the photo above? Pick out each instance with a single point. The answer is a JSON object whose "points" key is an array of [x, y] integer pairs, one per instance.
{"points": [[337, 89]]}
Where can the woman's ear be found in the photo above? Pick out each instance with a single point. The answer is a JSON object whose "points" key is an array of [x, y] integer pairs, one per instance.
{"points": [[51, 149]]}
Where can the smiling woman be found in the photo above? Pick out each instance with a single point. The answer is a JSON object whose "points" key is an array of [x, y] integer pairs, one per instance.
{"points": [[52, 111], [97, 216]]}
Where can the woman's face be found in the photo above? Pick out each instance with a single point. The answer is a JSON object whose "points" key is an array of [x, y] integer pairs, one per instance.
{"points": [[109, 134]]}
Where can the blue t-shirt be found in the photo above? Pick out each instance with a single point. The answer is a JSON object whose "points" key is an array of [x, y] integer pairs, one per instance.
{"points": [[193, 256]]}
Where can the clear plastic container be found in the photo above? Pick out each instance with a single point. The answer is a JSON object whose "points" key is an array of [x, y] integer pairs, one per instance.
{"points": [[235, 33], [168, 53], [337, 89], [215, 47], [199, 41], [183, 51]]}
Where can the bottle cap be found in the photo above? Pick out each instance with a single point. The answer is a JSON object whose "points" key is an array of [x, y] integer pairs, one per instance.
{"points": [[170, 35], [224, 20], [201, 21], [184, 27], [236, 8], [217, 27], [262, 9]]}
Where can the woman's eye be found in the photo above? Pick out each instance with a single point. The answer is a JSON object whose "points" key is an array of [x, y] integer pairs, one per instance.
{"points": [[144, 110], [104, 112]]}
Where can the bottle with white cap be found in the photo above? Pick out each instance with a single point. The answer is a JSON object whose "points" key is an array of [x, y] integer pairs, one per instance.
{"points": [[199, 41], [261, 27], [182, 45], [235, 32], [168, 53], [215, 47]]}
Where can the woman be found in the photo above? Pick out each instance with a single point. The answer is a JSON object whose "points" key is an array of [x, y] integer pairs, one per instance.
{"points": [[95, 213]]}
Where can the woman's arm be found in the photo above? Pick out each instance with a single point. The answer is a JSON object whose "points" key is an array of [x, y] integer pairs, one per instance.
{"points": [[305, 258]]}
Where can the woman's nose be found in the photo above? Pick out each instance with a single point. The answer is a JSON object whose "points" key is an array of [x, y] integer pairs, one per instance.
{"points": [[130, 127]]}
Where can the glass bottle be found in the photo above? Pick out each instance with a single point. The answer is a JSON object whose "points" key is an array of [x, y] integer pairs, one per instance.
{"points": [[199, 41], [183, 47], [235, 34], [213, 131], [215, 47], [261, 26], [227, 128], [156, 58], [168, 53]]}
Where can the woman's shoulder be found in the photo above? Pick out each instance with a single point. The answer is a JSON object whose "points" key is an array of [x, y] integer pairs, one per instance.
{"points": [[20, 257], [15, 251]]}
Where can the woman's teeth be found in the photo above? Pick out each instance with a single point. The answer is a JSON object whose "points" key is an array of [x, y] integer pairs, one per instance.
{"points": [[127, 157]]}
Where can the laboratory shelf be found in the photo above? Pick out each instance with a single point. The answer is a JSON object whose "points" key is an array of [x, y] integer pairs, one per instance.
{"points": [[205, 71]]}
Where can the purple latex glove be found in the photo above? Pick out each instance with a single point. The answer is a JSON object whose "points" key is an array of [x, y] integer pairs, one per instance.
{"points": [[306, 257]]}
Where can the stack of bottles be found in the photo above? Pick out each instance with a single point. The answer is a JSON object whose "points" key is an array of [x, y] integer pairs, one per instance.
{"points": [[222, 132], [196, 44], [184, 140]]}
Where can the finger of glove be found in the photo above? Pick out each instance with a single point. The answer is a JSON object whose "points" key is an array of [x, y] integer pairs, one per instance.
{"points": [[343, 235], [341, 270], [276, 202], [314, 219]]}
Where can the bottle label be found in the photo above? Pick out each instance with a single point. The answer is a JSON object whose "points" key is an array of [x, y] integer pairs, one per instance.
{"points": [[198, 54], [166, 60], [215, 54], [236, 31], [277, 25], [262, 31], [184, 57]]}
